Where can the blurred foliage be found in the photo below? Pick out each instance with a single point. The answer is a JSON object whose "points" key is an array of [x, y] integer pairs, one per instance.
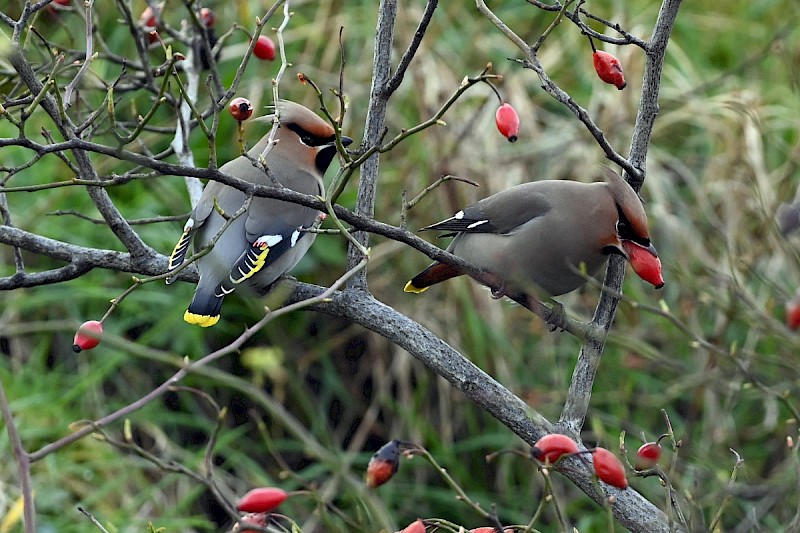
{"points": [[312, 396]]}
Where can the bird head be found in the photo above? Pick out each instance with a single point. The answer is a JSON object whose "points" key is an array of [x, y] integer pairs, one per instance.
{"points": [[632, 240], [305, 136]]}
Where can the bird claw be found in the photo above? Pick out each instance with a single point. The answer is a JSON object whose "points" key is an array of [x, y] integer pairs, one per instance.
{"points": [[499, 291], [556, 317]]}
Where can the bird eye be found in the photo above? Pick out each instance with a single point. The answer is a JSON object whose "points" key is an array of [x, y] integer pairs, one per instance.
{"points": [[307, 140]]}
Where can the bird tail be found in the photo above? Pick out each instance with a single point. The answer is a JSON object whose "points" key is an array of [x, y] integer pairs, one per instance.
{"points": [[205, 307], [436, 273]]}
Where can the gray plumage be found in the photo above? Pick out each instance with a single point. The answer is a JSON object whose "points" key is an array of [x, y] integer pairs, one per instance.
{"points": [[544, 235], [271, 237]]}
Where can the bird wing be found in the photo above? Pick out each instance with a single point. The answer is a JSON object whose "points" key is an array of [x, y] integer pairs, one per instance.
{"points": [[274, 227], [267, 248], [500, 213], [196, 219]]}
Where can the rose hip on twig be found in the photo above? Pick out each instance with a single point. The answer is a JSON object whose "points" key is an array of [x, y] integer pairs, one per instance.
{"points": [[507, 121]]}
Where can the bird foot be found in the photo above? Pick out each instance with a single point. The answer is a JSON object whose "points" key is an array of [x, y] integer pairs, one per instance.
{"points": [[499, 292], [556, 317]]}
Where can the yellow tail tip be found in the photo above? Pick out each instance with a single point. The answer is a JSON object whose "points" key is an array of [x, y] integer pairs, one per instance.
{"points": [[411, 288], [204, 321]]}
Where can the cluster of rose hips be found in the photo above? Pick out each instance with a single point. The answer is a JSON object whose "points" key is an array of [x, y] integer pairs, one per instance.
{"points": [[607, 467], [548, 450]]}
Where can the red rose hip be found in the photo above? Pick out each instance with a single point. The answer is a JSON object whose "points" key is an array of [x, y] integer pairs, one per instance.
{"points": [[609, 469], [208, 18], [87, 336], [261, 500], [148, 18], [550, 448], [383, 464], [647, 456], [417, 526], [609, 69], [507, 121], [240, 108], [793, 313], [264, 48]]}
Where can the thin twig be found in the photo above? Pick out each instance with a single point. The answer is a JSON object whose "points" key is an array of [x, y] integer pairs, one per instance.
{"points": [[23, 461], [92, 519], [89, 5], [726, 500]]}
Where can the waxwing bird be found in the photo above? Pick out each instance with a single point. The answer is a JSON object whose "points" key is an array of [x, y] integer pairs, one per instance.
{"points": [[271, 236], [548, 235]]}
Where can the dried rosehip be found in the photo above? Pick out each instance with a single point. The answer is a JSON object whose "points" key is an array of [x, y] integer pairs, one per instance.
{"points": [[609, 469], [608, 69], [643, 261], [257, 520], [265, 48], [383, 464], [208, 17], [647, 456], [87, 336], [240, 108], [261, 500], [507, 121], [551, 447], [417, 526]]}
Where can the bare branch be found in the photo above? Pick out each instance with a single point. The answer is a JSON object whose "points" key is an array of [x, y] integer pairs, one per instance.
{"points": [[651, 86], [376, 116], [68, 99], [405, 61], [580, 390], [115, 220], [631, 509], [81, 260]]}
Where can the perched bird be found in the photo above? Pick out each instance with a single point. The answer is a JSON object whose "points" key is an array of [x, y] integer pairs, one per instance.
{"points": [[548, 235], [271, 236]]}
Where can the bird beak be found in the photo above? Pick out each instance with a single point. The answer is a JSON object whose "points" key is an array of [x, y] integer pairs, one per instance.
{"points": [[652, 249], [645, 262], [346, 141]]}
